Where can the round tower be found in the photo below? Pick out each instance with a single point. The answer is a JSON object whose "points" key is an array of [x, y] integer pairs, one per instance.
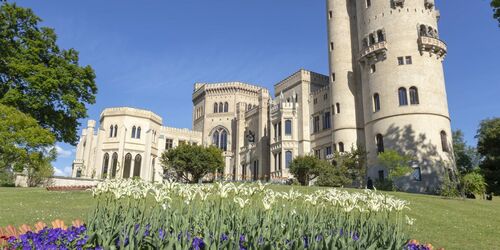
{"points": [[346, 98], [404, 96]]}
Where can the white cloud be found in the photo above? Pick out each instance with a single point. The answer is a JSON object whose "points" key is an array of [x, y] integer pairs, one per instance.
{"points": [[62, 153], [66, 171]]}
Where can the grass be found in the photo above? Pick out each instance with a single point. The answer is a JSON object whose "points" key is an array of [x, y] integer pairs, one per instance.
{"points": [[448, 223]]}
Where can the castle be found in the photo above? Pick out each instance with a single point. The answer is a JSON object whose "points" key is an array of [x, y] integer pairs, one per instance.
{"points": [[385, 90]]}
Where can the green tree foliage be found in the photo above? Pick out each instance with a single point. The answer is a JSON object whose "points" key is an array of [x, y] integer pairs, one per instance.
{"points": [[473, 183], [466, 157], [334, 176], [25, 145], [495, 4], [193, 162], [39, 78], [306, 168], [488, 146], [397, 165]]}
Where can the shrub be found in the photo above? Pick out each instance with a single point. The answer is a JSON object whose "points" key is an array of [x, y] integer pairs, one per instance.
{"points": [[385, 185], [473, 183], [307, 168], [448, 188], [333, 176]]}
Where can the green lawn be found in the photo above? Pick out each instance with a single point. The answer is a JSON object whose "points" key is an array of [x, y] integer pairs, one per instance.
{"points": [[452, 224]]}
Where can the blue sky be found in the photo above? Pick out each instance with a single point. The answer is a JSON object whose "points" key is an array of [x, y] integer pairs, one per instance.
{"points": [[148, 54]]}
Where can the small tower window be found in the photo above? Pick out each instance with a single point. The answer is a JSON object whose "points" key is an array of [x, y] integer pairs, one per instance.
{"points": [[444, 142], [403, 98], [138, 136], [327, 120], [380, 36], [226, 107], [380, 143], [337, 105], [111, 131], [373, 68], [221, 107], [330, 14], [414, 96], [133, 131], [376, 102], [288, 127], [216, 107], [331, 46], [341, 147], [116, 130], [368, 3]]}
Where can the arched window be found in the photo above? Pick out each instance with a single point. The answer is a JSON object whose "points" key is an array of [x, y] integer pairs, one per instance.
{"points": [[138, 136], [414, 95], [371, 37], [226, 107], [114, 163], [338, 107], [403, 98], [221, 107], [341, 147], [223, 140], [105, 164], [380, 36], [116, 130], [216, 107], [288, 127], [423, 30], [111, 131], [376, 102], [380, 143], [430, 32], [127, 166], [133, 131], [215, 138], [444, 142], [288, 158], [137, 165]]}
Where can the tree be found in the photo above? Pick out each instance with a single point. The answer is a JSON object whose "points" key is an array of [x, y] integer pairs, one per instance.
{"points": [[397, 165], [193, 162], [473, 184], [495, 4], [39, 78], [334, 176], [24, 145], [488, 146], [306, 168], [466, 157]]}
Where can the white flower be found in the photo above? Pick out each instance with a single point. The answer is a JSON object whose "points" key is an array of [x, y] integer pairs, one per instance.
{"points": [[409, 220], [241, 202]]}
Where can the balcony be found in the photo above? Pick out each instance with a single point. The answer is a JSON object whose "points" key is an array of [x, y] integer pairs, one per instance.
{"points": [[432, 45], [374, 52]]}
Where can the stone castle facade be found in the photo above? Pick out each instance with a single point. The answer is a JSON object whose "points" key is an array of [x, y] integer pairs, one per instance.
{"points": [[385, 90]]}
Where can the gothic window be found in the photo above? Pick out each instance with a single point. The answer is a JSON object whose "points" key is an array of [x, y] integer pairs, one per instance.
{"points": [[403, 98], [114, 163], [105, 165], [288, 127], [221, 107], [430, 32], [380, 143], [111, 131], [137, 165], [223, 140], [215, 138], [127, 166], [226, 107], [133, 131], [380, 36], [414, 95], [116, 130], [444, 142], [341, 147], [327, 120], [216, 107], [288, 158], [138, 135], [219, 138], [376, 102]]}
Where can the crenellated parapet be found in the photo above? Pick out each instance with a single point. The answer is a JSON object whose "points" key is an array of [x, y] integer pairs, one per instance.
{"points": [[226, 88], [127, 111]]}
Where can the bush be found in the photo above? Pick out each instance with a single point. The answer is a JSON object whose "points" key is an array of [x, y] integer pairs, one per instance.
{"points": [[333, 176], [448, 188], [6, 179], [385, 185], [473, 183]]}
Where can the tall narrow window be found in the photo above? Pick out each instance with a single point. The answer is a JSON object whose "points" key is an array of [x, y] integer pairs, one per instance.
{"points": [[333, 77], [380, 36], [373, 68], [414, 95], [116, 130], [315, 124], [114, 165], [138, 136], [341, 147], [255, 170], [381, 175], [327, 123], [275, 126], [371, 37], [380, 143], [403, 98], [288, 158], [423, 30], [331, 46], [127, 166], [337, 105], [288, 127], [133, 131], [221, 107], [444, 142], [216, 107], [317, 153], [137, 165], [111, 131], [279, 129], [330, 14], [368, 3], [226, 107], [223, 140], [328, 151], [215, 138], [376, 102], [169, 144], [105, 165]]}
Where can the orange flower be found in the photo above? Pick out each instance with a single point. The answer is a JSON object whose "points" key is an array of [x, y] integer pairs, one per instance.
{"points": [[39, 226], [11, 231], [77, 223], [23, 229], [58, 224]]}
